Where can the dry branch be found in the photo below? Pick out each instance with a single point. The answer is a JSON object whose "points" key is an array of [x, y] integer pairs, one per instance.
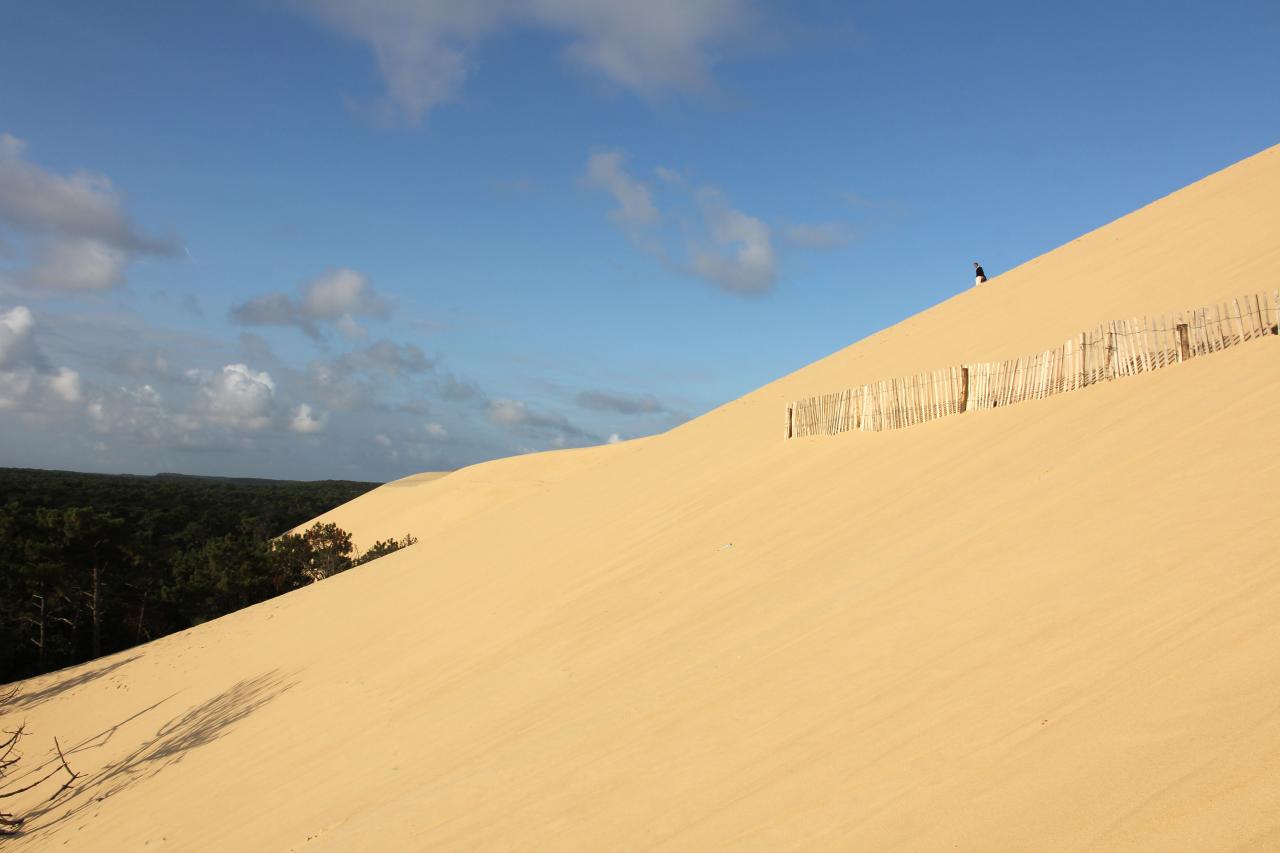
{"points": [[9, 758]]}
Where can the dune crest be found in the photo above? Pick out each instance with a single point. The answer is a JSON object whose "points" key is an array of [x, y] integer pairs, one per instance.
{"points": [[1052, 626]]}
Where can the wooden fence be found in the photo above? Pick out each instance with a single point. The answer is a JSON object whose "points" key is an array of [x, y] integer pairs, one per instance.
{"points": [[1115, 349]]}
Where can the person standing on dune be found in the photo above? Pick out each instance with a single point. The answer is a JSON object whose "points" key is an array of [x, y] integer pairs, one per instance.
{"points": [[978, 275]]}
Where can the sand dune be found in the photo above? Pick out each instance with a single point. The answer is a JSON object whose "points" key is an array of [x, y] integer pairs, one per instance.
{"points": [[1054, 626]]}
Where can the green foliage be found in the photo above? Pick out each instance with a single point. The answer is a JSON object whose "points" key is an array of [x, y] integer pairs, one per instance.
{"points": [[383, 547], [91, 564]]}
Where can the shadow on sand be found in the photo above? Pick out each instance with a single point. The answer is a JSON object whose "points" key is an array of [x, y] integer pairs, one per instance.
{"points": [[199, 725], [25, 701]]}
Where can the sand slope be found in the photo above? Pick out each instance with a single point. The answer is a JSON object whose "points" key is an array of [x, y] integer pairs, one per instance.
{"points": [[1049, 627]]}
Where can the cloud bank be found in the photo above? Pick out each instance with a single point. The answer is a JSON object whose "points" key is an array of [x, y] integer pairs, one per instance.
{"points": [[728, 249], [424, 48], [697, 231], [74, 232], [334, 299], [28, 379]]}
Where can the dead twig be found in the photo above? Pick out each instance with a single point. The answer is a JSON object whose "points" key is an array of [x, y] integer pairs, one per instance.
{"points": [[9, 757], [72, 775]]}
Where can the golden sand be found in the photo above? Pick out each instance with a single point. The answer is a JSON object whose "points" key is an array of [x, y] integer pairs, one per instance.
{"points": [[1054, 626]]}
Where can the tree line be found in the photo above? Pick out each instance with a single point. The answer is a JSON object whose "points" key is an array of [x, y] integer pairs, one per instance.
{"points": [[91, 564]]}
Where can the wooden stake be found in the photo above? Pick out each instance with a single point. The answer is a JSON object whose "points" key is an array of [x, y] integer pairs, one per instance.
{"points": [[1143, 354], [1119, 360], [1239, 318]]}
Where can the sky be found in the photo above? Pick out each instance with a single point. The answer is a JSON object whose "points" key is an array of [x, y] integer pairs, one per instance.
{"points": [[317, 239]]}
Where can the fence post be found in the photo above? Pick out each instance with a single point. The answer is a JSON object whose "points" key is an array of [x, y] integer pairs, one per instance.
{"points": [[1184, 345], [964, 389], [1111, 346], [1082, 378], [791, 419]]}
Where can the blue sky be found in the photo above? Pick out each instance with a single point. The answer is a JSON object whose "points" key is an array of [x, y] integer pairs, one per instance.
{"points": [[310, 238]]}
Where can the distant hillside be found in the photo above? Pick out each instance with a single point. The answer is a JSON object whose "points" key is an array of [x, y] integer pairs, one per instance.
{"points": [[130, 493], [254, 481], [167, 475]]}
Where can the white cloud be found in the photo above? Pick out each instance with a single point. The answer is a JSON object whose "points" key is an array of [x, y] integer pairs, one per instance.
{"points": [[388, 357], [423, 47], [349, 328], [645, 47], [508, 412], [256, 347], [238, 397], [17, 341], [78, 235], [337, 297], [435, 431], [338, 387], [820, 235], [66, 385], [76, 264], [668, 176], [382, 440], [27, 377], [305, 422], [732, 250], [625, 404], [740, 257], [337, 293], [209, 409], [517, 416], [614, 438], [457, 390], [635, 204], [359, 379], [136, 411], [14, 388]]}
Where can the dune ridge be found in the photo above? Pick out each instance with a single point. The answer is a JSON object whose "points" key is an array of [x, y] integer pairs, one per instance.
{"points": [[1052, 626]]}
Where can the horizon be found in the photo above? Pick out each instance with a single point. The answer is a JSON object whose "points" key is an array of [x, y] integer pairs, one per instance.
{"points": [[305, 241]]}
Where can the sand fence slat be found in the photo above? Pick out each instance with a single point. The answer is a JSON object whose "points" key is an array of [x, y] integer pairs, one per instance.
{"points": [[1120, 361], [1239, 318], [1144, 343], [1131, 348], [1165, 326]]}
